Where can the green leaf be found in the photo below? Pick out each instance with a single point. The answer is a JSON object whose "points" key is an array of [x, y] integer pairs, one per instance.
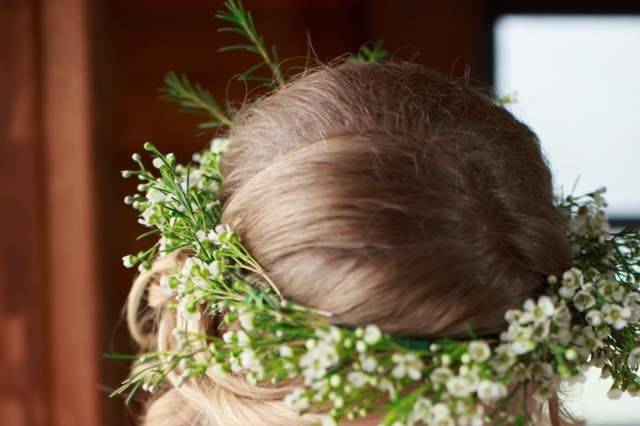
{"points": [[243, 25], [193, 98], [371, 52], [247, 47], [250, 70], [116, 356]]}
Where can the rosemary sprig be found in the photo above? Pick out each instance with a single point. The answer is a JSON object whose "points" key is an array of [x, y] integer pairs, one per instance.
{"points": [[194, 99], [371, 52], [242, 24]]}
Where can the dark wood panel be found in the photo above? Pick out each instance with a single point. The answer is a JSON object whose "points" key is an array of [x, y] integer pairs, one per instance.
{"points": [[24, 370], [68, 118]]}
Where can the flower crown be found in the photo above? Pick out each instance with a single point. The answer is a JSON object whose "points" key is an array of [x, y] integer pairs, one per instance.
{"points": [[589, 316]]}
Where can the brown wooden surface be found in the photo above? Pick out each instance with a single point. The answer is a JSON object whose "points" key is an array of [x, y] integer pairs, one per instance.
{"points": [[70, 192], [24, 394], [48, 317], [78, 95]]}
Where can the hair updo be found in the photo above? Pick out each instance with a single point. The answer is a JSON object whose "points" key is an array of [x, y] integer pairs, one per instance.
{"points": [[385, 194]]}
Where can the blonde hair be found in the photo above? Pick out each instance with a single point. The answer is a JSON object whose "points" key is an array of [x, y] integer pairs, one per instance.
{"points": [[383, 193]]}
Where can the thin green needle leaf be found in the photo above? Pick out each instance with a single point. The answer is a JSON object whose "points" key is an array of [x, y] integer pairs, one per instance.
{"points": [[244, 26], [120, 356], [246, 47], [251, 70], [192, 98], [371, 52]]}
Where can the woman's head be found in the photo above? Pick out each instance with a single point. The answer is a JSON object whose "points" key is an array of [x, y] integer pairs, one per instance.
{"points": [[385, 194]]}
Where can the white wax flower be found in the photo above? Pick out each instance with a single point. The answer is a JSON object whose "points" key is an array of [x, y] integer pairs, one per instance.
{"points": [[357, 379], [479, 351], [219, 145], [407, 365], [489, 391], [372, 334]]}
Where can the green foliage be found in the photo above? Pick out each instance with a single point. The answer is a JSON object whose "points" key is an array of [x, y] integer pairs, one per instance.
{"points": [[193, 98], [588, 316], [241, 23], [371, 52], [506, 99]]}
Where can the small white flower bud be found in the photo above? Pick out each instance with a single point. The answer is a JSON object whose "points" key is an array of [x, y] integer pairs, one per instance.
{"points": [[446, 359], [286, 351], [228, 336], [128, 261], [246, 320], [372, 334], [335, 380]]}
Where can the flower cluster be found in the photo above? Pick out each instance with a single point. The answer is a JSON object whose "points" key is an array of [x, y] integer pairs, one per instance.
{"points": [[589, 316]]}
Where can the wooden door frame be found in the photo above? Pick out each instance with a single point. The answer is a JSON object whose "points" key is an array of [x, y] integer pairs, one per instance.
{"points": [[48, 272]]}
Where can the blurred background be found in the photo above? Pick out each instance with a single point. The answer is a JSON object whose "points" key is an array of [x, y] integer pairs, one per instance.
{"points": [[78, 95]]}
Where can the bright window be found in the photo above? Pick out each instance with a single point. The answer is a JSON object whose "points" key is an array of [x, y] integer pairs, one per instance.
{"points": [[577, 84]]}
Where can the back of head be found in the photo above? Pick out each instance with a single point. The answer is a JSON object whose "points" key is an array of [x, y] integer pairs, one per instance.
{"points": [[385, 194]]}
